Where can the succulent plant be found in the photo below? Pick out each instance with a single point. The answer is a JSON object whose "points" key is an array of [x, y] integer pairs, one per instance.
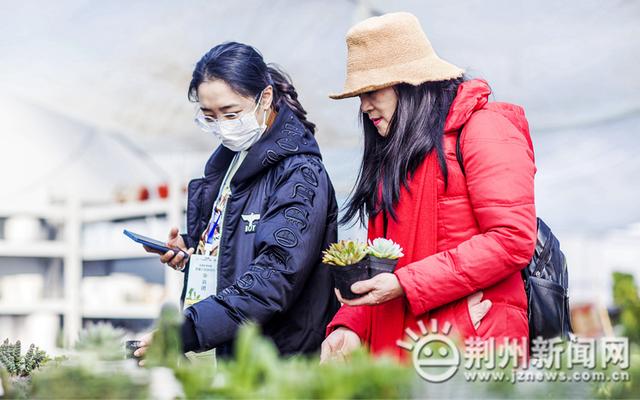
{"points": [[17, 365], [384, 248], [103, 340], [345, 252]]}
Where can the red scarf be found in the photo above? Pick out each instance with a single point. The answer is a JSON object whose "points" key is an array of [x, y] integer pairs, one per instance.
{"points": [[416, 232]]}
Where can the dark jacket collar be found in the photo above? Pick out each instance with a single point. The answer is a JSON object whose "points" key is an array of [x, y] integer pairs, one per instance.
{"points": [[286, 137]]}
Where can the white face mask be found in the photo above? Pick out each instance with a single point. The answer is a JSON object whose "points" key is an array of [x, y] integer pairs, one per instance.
{"points": [[236, 134]]}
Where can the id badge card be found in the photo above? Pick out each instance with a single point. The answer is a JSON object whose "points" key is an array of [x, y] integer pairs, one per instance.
{"points": [[203, 278], [202, 283]]}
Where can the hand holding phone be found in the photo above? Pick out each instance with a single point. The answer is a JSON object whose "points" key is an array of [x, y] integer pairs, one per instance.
{"points": [[172, 252]]}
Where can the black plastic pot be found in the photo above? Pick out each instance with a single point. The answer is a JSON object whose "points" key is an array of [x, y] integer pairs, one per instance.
{"points": [[344, 277], [130, 346], [380, 265]]}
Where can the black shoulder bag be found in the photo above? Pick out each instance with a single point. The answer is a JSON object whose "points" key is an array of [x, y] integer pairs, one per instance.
{"points": [[546, 282]]}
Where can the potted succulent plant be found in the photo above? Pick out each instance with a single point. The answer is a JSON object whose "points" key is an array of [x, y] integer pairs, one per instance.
{"points": [[383, 256], [16, 369], [348, 262]]}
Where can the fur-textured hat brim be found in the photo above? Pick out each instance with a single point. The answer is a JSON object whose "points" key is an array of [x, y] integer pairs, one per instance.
{"points": [[388, 50]]}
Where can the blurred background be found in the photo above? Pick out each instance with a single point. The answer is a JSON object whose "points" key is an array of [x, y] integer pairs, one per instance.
{"points": [[97, 134]]}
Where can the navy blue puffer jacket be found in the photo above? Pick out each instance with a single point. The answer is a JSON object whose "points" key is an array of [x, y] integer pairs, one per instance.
{"points": [[269, 267]]}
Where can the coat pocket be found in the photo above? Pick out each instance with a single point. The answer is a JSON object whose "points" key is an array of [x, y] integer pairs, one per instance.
{"points": [[502, 321]]}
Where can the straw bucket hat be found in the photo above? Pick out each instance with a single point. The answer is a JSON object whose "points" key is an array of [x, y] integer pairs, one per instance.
{"points": [[388, 50]]}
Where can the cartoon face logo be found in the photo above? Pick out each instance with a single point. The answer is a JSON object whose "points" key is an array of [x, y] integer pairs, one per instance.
{"points": [[435, 356]]}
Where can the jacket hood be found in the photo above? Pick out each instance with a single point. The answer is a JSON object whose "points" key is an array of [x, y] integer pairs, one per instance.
{"points": [[286, 137], [473, 95]]}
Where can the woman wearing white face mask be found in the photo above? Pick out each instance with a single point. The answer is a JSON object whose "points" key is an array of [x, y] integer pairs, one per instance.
{"points": [[237, 132], [261, 215]]}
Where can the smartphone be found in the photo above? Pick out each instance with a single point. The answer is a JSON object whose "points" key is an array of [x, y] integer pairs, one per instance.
{"points": [[154, 244]]}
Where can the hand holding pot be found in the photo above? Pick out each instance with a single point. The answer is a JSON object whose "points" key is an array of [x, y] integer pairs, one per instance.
{"points": [[145, 342], [338, 345], [379, 289], [385, 287]]}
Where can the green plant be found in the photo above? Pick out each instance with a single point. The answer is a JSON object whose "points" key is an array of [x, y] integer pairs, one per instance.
{"points": [[627, 389], [16, 364], [103, 340], [257, 371], [625, 296], [166, 345], [86, 381], [345, 252], [384, 248], [97, 370]]}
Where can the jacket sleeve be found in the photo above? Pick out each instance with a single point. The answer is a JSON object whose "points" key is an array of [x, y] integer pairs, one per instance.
{"points": [[500, 170], [288, 242], [189, 243], [355, 318]]}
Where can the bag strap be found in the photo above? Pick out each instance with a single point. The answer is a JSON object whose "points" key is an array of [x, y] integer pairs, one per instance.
{"points": [[525, 271], [459, 152]]}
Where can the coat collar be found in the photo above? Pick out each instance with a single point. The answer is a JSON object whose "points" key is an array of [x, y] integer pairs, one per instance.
{"points": [[472, 95]]}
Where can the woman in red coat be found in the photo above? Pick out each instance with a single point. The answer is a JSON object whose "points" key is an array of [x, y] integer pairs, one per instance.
{"points": [[467, 229]]}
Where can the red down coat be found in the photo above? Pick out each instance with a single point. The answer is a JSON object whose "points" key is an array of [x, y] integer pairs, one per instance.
{"points": [[486, 232]]}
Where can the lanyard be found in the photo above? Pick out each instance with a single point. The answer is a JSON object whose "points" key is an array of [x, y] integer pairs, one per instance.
{"points": [[212, 228], [216, 213]]}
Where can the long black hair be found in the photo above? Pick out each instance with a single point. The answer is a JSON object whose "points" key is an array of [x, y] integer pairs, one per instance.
{"points": [[243, 68], [416, 129]]}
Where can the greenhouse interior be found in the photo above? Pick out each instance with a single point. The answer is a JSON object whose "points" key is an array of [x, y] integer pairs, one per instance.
{"points": [[99, 137]]}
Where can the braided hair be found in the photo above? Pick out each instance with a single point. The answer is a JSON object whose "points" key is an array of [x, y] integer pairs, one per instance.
{"points": [[242, 67]]}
